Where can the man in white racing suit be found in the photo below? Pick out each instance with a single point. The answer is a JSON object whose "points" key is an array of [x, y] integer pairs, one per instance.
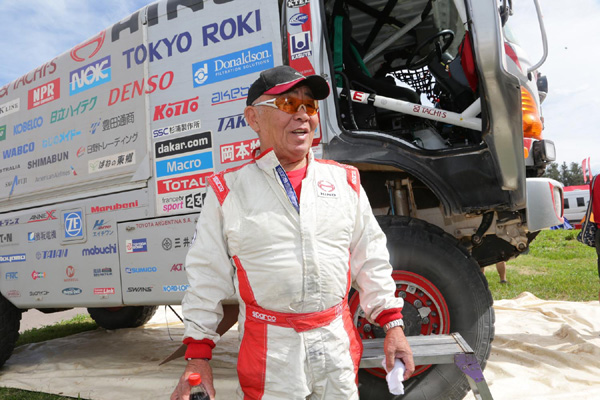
{"points": [[287, 235]]}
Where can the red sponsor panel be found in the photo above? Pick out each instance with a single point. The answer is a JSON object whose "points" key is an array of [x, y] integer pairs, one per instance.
{"points": [[43, 94], [106, 290], [238, 151], [189, 182]]}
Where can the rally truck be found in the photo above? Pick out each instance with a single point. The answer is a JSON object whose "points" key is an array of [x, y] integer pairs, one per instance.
{"points": [[106, 150]]}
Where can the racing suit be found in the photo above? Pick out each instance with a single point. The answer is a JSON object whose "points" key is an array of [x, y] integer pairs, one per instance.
{"points": [[290, 270]]}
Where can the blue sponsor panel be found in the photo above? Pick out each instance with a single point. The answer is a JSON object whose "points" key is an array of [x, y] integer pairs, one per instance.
{"points": [[73, 224], [90, 76], [181, 165], [233, 65], [11, 258], [136, 245]]}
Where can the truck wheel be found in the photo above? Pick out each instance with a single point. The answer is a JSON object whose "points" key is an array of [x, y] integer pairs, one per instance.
{"points": [[10, 320], [122, 317], [444, 291]]}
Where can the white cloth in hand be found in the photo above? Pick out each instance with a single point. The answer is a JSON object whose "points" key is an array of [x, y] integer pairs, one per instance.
{"points": [[395, 377]]}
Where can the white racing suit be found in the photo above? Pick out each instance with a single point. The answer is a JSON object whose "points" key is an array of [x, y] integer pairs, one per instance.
{"points": [[291, 272]]}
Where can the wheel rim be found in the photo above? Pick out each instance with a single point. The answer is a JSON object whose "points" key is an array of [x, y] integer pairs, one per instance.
{"points": [[425, 312]]}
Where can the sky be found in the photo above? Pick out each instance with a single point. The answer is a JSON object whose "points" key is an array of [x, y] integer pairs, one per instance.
{"points": [[35, 31]]}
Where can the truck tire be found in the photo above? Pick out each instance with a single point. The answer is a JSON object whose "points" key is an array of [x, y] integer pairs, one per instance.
{"points": [[122, 317], [448, 281], [10, 320]]}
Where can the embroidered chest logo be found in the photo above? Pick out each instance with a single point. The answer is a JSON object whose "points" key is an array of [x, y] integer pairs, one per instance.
{"points": [[326, 189]]}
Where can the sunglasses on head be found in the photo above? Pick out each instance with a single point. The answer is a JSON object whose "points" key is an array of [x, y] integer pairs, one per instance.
{"points": [[292, 104]]}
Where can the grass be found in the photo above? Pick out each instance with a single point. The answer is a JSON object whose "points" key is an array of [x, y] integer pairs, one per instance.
{"points": [[557, 267]]}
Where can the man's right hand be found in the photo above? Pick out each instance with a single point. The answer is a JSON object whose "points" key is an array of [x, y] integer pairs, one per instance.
{"points": [[202, 367]]}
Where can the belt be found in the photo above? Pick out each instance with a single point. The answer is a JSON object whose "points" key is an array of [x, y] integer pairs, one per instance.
{"points": [[301, 322]]}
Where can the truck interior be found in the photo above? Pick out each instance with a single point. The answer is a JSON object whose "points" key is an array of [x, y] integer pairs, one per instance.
{"points": [[415, 51]]}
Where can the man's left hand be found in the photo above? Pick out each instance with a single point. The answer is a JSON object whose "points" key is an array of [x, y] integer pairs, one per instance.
{"points": [[395, 346]]}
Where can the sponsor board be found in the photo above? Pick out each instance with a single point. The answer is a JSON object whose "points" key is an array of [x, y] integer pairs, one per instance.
{"points": [[11, 276], [232, 122], [35, 275], [169, 110], [233, 65], [114, 207], [297, 3], [90, 76], [60, 138], [238, 151], [136, 245], [43, 94], [73, 222], [184, 164], [178, 184], [48, 160], [71, 111], [158, 50], [28, 125], [140, 289], [2, 132], [13, 293], [300, 45], [169, 244], [182, 145], [34, 293], [42, 216], [192, 201], [176, 129], [138, 270], [163, 222], [11, 258], [229, 95], [6, 238], [98, 250], [38, 236], [116, 122], [175, 288], [106, 271], [92, 46], [104, 291], [51, 254], [72, 291], [111, 162], [177, 268], [298, 19], [10, 107], [18, 150], [141, 87], [9, 221], [70, 272]]}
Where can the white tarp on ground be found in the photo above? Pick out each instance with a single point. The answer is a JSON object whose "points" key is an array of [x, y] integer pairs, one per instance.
{"points": [[543, 350]]}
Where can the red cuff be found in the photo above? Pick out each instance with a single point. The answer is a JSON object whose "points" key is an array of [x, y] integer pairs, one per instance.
{"points": [[198, 348], [388, 315]]}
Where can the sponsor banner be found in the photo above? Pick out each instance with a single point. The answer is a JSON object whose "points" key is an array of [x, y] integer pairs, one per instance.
{"points": [[140, 289], [185, 164], [19, 150], [44, 235], [297, 3], [11, 258], [104, 291], [136, 245], [233, 65], [163, 48], [176, 129], [175, 109], [111, 162], [42, 216], [182, 145], [48, 160], [298, 19], [238, 151], [114, 207], [96, 250], [72, 291], [11, 276], [176, 243], [135, 270], [73, 222], [2, 132], [106, 271], [10, 107], [35, 275], [6, 238], [300, 45], [28, 125], [90, 76], [188, 182], [229, 95], [51, 254], [43, 94], [13, 293], [175, 288], [141, 87]]}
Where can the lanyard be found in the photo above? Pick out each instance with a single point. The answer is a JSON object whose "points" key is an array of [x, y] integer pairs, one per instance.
{"points": [[289, 190]]}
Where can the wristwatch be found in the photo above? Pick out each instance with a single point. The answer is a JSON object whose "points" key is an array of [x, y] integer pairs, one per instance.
{"points": [[393, 324]]}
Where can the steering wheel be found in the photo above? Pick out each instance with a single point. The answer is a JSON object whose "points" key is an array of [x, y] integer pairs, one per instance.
{"points": [[447, 37]]}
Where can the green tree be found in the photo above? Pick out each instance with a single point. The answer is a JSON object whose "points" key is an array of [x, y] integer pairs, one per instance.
{"points": [[552, 172], [568, 175]]}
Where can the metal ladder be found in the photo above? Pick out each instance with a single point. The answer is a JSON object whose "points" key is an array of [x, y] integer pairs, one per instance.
{"points": [[435, 349]]}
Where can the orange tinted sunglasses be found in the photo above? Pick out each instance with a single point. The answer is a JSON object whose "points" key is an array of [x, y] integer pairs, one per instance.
{"points": [[292, 104]]}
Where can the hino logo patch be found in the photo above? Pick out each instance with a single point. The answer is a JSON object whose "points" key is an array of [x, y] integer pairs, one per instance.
{"points": [[326, 189]]}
